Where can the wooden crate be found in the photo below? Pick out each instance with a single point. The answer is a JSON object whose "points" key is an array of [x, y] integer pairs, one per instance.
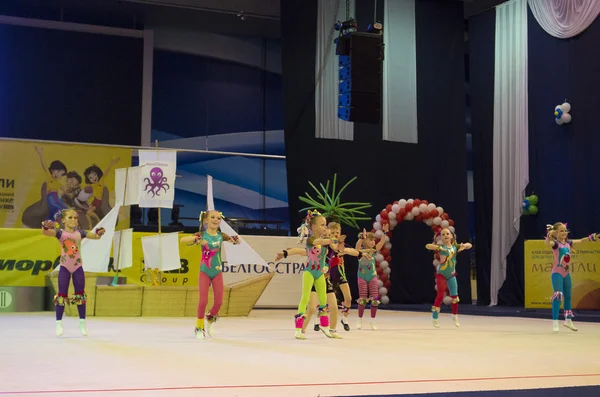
{"points": [[119, 301], [90, 290], [191, 303], [164, 301], [243, 295]]}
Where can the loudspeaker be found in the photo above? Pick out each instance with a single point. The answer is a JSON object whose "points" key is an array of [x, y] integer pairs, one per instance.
{"points": [[360, 71]]}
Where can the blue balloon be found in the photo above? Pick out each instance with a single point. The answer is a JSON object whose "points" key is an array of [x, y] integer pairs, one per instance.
{"points": [[558, 113], [526, 204]]}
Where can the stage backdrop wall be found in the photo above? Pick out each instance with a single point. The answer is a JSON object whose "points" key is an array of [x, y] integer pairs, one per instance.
{"points": [[201, 102], [70, 86], [434, 169], [561, 172], [32, 171], [584, 275], [26, 256]]}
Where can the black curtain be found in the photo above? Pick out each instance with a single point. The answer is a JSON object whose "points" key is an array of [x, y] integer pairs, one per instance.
{"points": [[481, 66], [561, 158], [70, 86], [434, 169]]}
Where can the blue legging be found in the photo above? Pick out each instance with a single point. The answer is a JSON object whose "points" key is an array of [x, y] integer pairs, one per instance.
{"points": [[563, 285]]}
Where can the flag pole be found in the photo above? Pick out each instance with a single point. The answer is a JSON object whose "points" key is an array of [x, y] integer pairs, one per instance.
{"points": [[116, 278], [156, 273]]}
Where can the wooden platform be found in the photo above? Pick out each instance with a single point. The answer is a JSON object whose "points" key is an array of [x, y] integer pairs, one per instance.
{"points": [[158, 301]]}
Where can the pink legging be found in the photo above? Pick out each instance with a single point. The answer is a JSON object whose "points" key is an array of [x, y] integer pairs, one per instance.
{"points": [[203, 283], [368, 290]]}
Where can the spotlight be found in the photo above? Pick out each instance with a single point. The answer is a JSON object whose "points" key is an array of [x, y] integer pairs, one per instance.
{"points": [[346, 25], [375, 28]]}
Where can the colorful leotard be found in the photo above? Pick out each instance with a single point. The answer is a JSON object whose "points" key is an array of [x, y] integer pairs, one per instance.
{"points": [[561, 279], [211, 263], [562, 257], [337, 269], [70, 247], [366, 268], [447, 268]]}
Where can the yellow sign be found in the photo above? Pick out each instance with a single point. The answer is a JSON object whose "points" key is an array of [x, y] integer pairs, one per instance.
{"points": [[585, 275], [26, 256], [39, 179]]}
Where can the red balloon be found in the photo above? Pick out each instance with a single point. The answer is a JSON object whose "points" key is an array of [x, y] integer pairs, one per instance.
{"points": [[419, 218], [425, 202], [379, 271], [385, 252], [435, 228], [437, 256], [384, 277], [408, 206], [387, 284], [417, 202], [396, 202], [383, 214], [388, 208], [402, 213], [434, 213], [384, 221], [451, 222], [388, 259], [425, 214], [445, 216]]}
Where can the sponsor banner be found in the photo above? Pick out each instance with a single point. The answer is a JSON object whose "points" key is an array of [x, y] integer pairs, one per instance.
{"points": [[584, 275], [26, 256], [39, 179]]}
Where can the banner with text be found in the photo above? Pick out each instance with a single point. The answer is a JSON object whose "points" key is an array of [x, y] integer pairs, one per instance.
{"points": [[584, 274], [39, 179], [26, 256]]}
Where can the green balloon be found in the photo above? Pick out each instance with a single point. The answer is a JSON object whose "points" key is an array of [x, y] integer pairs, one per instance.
{"points": [[533, 199], [526, 212], [533, 209]]}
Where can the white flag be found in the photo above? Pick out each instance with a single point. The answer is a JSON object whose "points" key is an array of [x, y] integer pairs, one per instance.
{"points": [[127, 188], [95, 254], [161, 251], [235, 254], [157, 178], [123, 249]]}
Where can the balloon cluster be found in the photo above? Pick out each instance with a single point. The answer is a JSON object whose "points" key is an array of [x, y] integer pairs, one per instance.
{"points": [[392, 215], [561, 113], [530, 205]]}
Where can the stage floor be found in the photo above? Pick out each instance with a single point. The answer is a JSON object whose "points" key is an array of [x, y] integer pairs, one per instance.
{"points": [[258, 356]]}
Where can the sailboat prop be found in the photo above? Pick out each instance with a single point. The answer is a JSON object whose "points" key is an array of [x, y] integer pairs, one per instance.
{"points": [[235, 254]]}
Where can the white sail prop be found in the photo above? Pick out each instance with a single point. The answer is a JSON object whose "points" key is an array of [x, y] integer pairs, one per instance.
{"points": [[95, 254], [161, 251], [130, 194], [122, 249], [235, 254]]}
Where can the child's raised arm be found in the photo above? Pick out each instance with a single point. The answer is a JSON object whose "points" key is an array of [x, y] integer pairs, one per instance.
{"points": [[49, 228], [95, 235], [290, 251]]}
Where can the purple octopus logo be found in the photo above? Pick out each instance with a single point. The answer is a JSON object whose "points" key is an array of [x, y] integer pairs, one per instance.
{"points": [[156, 182]]}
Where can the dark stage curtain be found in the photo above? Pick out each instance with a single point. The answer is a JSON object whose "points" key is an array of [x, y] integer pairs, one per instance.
{"points": [[434, 169], [70, 86], [481, 65]]}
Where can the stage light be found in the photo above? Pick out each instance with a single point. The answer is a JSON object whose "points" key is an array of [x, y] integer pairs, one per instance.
{"points": [[346, 25], [375, 28]]}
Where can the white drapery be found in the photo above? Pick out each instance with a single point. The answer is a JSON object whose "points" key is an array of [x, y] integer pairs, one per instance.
{"points": [[565, 18], [511, 156], [399, 72], [327, 123]]}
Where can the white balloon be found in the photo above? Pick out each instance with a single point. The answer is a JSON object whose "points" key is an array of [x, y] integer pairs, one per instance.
{"points": [[559, 121], [439, 242], [423, 207], [378, 218], [445, 223], [385, 300], [377, 226], [435, 287], [410, 201], [409, 216], [379, 257], [395, 208], [429, 221], [379, 283], [436, 263], [430, 207], [440, 210], [393, 223], [402, 203], [415, 211], [447, 300], [379, 234], [387, 245], [384, 264], [391, 215], [387, 270], [566, 117], [451, 228], [566, 107], [383, 291], [436, 221]]}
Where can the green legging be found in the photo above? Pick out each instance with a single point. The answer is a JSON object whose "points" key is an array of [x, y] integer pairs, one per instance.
{"points": [[308, 279]]}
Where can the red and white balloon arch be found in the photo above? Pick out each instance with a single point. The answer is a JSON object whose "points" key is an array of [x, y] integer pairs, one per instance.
{"points": [[395, 213]]}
